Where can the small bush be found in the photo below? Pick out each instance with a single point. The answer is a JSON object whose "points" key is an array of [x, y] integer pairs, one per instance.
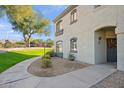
{"points": [[51, 53], [46, 56], [46, 61], [71, 57]]}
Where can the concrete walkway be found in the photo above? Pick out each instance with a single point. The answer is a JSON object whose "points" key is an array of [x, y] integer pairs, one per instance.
{"points": [[2, 51], [18, 77]]}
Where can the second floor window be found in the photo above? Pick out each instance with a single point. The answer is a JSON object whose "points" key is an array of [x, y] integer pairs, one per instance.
{"points": [[59, 29], [59, 26], [73, 16]]}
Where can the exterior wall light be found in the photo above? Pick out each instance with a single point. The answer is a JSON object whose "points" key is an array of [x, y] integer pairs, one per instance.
{"points": [[99, 39]]}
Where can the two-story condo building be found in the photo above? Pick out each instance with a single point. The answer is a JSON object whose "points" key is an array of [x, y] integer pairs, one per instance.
{"points": [[93, 33]]}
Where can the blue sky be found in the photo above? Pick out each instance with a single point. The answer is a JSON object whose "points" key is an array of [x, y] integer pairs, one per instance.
{"points": [[48, 11]]}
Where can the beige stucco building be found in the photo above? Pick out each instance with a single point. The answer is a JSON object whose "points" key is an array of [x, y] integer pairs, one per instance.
{"points": [[93, 33]]}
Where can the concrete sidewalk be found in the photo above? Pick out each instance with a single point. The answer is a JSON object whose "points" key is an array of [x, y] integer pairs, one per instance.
{"points": [[2, 51], [18, 77]]}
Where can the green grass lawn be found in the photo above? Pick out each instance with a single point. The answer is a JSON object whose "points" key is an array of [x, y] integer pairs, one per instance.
{"points": [[11, 58]]}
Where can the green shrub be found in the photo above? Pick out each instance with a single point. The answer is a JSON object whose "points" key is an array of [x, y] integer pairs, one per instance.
{"points": [[19, 44], [71, 57], [46, 56], [46, 61], [51, 53]]}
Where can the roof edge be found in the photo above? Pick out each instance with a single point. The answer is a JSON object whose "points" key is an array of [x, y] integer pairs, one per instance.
{"points": [[67, 10]]}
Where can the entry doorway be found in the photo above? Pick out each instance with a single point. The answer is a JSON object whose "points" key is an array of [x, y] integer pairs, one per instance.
{"points": [[106, 46], [111, 50]]}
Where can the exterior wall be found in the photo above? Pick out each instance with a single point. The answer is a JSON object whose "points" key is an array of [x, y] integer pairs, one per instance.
{"points": [[78, 29], [90, 20], [100, 47]]}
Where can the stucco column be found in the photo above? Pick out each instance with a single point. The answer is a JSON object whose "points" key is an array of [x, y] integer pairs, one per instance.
{"points": [[120, 51], [120, 39]]}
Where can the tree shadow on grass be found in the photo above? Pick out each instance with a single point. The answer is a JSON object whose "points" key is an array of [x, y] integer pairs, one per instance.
{"points": [[9, 59]]}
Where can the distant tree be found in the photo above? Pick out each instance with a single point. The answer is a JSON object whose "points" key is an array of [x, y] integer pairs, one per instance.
{"points": [[49, 42], [1, 44], [37, 42], [25, 20], [19, 44], [8, 44]]}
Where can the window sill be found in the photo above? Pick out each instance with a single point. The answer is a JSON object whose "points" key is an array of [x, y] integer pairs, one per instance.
{"points": [[59, 33], [73, 51], [73, 22]]}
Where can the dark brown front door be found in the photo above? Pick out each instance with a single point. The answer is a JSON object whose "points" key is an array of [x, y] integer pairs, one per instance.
{"points": [[111, 50]]}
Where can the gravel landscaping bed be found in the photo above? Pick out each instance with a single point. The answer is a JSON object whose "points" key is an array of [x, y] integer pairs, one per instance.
{"points": [[59, 66], [115, 80]]}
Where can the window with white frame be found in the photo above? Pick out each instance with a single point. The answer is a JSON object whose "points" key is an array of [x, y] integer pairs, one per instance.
{"points": [[73, 44], [59, 28], [73, 16], [59, 25]]}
